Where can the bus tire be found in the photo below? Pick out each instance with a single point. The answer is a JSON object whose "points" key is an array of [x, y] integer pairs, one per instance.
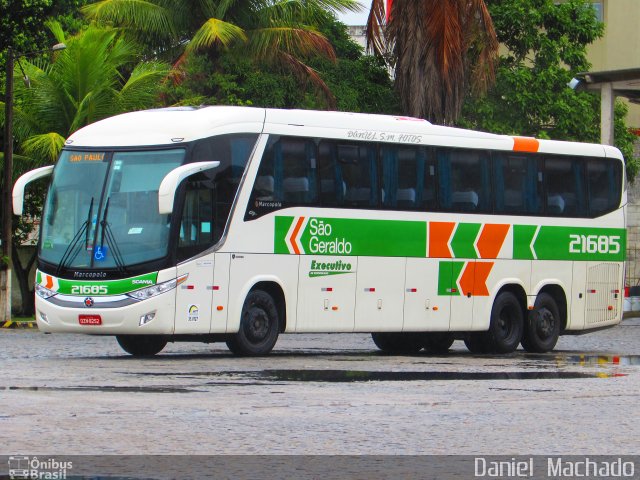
{"points": [[259, 326], [398, 343], [437, 342], [507, 324], [141, 345], [542, 327]]}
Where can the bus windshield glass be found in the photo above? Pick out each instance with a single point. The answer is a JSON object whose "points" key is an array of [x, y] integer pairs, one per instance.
{"points": [[102, 209]]}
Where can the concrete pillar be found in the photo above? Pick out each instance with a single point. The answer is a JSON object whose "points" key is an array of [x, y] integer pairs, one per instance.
{"points": [[608, 100]]}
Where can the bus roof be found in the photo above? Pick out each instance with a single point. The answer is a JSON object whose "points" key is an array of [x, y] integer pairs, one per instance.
{"points": [[168, 126]]}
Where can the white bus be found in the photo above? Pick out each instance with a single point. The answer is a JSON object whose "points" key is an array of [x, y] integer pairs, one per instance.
{"points": [[238, 224]]}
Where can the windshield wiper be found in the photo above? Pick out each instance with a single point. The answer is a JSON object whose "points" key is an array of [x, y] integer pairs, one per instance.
{"points": [[111, 241], [70, 252]]}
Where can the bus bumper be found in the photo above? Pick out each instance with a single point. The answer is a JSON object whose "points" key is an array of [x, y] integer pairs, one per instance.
{"points": [[151, 316]]}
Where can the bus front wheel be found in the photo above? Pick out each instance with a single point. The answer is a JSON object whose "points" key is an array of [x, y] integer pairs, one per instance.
{"points": [[542, 328], [141, 345], [507, 324], [397, 342], [259, 326]]}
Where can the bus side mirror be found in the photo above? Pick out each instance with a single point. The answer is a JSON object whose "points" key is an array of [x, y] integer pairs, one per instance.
{"points": [[169, 184], [23, 181]]}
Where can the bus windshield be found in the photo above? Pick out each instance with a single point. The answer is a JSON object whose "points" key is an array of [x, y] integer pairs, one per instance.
{"points": [[102, 209]]}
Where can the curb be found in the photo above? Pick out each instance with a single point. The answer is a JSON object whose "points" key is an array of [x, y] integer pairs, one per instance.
{"points": [[12, 324]]}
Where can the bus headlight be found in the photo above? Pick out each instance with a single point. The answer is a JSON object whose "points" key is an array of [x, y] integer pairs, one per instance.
{"points": [[44, 292], [154, 290]]}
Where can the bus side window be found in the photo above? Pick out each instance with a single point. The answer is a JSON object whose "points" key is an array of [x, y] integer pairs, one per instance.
{"points": [[510, 182], [604, 183], [332, 186], [197, 221], [564, 187], [298, 171], [287, 175], [408, 182], [466, 187], [359, 168]]}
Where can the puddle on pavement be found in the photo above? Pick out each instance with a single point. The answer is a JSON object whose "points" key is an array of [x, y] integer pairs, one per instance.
{"points": [[348, 376], [590, 360]]}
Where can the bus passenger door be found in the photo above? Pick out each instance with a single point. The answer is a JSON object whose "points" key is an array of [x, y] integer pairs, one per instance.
{"points": [[380, 294], [425, 309], [220, 293], [194, 297], [577, 300], [326, 294]]}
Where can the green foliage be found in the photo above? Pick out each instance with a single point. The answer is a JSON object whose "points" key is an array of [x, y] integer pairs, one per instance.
{"points": [[546, 47], [82, 84], [282, 35], [359, 83]]}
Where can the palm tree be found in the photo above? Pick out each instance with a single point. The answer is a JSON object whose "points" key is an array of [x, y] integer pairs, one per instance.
{"points": [[439, 49], [279, 32], [82, 84]]}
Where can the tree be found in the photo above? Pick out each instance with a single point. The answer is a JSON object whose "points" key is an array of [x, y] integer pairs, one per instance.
{"points": [[272, 31], [545, 47], [439, 49], [82, 84], [359, 83]]}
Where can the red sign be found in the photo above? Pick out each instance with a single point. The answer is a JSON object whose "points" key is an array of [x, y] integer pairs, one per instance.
{"points": [[89, 319]]}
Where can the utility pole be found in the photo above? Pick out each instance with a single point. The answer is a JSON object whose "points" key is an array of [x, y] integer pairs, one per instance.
{"points": [[7, 213]]}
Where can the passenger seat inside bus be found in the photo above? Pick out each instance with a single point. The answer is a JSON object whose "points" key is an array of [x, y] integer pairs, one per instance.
{"points": [[466, 201], [264, 187], [555, 204]]}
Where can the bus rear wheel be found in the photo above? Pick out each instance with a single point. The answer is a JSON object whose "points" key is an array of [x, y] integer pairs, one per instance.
{"points": [[542, 327], [259, 326], [396, 342], [141, 345]]}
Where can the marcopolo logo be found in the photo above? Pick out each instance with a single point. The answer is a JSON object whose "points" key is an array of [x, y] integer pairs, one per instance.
{"points": [[322, 269]]}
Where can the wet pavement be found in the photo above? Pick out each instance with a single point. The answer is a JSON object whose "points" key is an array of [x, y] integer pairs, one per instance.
{"points": [[319, 394]]}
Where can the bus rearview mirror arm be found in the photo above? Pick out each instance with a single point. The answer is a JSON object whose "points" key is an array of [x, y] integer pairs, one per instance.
{"points": [[169, 184], [22, 182]]}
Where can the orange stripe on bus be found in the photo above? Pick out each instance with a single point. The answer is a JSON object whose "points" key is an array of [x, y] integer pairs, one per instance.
{"points": [[474, 279], [491, 240], [439, 235], [294, 235], [525, 144]]}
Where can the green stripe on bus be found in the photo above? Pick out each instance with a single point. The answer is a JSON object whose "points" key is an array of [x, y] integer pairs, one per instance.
{"points": [[398, 238], [346, 236], [106, 287], [463, 240], [580, 243], [522, 237], [448, 274]]}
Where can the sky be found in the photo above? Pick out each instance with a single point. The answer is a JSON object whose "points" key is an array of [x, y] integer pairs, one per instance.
{"points": [[359, 18]]}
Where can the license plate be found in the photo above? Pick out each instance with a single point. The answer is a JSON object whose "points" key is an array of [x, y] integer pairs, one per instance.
{"points": [[90, 320]]}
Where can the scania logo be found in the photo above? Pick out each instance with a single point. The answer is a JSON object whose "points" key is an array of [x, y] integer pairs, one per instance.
{"points": [[88, 302]]}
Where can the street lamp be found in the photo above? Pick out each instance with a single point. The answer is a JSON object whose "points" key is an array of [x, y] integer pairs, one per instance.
{"points": [[7, 228]]}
